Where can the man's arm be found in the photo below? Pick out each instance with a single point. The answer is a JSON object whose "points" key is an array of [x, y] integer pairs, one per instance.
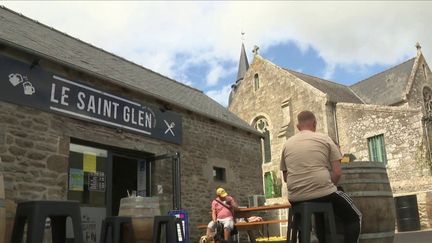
{"points": [[214, 216], [336, 171], [234, 204]]}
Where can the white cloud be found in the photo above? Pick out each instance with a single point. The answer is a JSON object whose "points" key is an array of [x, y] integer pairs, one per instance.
{"points": [[171, 37], [329, 71], [214, 75], [220, 95]]}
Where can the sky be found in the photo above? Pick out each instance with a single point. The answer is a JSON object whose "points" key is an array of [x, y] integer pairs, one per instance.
{"points": [[198, 42]]}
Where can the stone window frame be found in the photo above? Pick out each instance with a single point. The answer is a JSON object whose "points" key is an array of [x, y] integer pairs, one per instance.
{"points": [[424, 71], [257, 81], [427, 101], [285, 105], [266, 141]]}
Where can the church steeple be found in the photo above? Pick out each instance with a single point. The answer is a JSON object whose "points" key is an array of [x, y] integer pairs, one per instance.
{"points": [[243, 64], [242, 69]]}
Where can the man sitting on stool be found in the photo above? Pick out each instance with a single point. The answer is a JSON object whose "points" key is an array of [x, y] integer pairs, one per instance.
{"points": [[311, 168]]}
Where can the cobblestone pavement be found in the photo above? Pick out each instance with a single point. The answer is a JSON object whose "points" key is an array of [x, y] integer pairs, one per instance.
{"points": [[424, 236]]}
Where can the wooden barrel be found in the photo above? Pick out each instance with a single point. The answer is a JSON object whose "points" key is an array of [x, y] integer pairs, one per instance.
{"points": [[407, 213], [142, 210], [2, 210], [428, 208], [369, 187]]}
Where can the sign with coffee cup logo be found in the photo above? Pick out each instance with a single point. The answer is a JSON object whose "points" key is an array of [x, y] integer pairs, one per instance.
{"points": [[35, 87]]}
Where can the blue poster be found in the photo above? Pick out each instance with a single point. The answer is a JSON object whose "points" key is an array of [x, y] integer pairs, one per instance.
{"points": [[76, 180]]}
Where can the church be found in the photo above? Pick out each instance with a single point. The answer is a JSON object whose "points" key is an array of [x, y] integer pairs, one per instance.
{"points": [[385, 118]]}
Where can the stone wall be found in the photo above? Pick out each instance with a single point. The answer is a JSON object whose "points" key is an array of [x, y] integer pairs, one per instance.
{"points": [[421, 78], [403, 135], [34, 149], [278, 90]]}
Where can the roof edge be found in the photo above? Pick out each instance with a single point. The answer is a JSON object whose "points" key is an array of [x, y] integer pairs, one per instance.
{"points": [[118, 82], [356, 95], [386, 70], [412, 75]]}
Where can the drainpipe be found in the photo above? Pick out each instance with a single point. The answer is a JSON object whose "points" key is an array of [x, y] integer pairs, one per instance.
{"points": [[335, 124]]}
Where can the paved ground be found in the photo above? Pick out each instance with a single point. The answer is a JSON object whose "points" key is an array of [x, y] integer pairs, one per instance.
{"points": [[424, 236]]}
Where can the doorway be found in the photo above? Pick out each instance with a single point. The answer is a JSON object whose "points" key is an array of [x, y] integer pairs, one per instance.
{"points": [[124, 179]]}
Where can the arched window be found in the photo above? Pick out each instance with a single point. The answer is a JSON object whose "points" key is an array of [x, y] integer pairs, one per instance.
{"points": [[427, 99], [256, 81], [261, 124]]}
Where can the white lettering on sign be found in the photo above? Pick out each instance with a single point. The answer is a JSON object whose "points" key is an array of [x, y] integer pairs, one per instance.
{"points": [[80, 104], [94, 102], [148, 119], [53, 99], [107, 108], [91, 104], [137, 117], [64, 96]]}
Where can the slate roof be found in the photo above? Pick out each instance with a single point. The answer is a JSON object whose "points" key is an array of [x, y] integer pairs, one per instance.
{"points": [[31, 36], [387, 87], [243, 64], [337, 92]]}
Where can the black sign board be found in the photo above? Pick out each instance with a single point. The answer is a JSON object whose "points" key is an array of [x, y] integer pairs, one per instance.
{"points": [[32, 86]]}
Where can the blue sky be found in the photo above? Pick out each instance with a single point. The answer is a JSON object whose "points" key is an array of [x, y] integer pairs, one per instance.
{"points": [[289, 56], [198, 43]]}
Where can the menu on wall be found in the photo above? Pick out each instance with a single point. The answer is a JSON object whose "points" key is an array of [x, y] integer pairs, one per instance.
{"points": [[96, 181]]}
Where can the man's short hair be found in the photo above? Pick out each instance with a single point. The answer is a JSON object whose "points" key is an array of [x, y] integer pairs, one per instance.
{"points": [[305, 117]]}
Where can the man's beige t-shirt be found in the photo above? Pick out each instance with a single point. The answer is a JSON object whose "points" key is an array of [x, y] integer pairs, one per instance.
{"points": [[307, 158]]}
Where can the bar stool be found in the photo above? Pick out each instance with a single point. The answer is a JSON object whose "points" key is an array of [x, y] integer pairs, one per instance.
{"points": [[116, 224], [299, 219], [36, 212], [173, 229]]}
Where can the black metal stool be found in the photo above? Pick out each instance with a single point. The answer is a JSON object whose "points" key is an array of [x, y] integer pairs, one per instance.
{"points": [[36, 212], [173, 229], [299, 219], [116, 224]]}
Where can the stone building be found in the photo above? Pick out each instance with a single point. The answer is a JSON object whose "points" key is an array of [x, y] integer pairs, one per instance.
{"points": [[383, 118], [80, 123]]}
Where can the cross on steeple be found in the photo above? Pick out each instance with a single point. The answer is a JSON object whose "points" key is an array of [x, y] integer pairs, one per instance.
{"points": [[255, 50]]}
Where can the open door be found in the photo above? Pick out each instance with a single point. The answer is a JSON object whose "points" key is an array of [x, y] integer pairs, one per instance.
{"points": [[130, 176]]}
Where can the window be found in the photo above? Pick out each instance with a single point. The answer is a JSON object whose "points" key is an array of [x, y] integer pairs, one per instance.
{"points": [[256, 81], [272, 185], [268, 185], [427, 99], [219, 174], [286, 111], [262, 125], [87, 175], [424, 71], [377, 149]]}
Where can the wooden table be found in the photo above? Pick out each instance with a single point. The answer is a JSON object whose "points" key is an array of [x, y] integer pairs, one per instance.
{"points": [[250, 227]]}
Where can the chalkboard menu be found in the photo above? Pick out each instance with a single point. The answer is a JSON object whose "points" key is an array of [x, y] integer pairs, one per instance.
{"points": [[96, 181]]}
